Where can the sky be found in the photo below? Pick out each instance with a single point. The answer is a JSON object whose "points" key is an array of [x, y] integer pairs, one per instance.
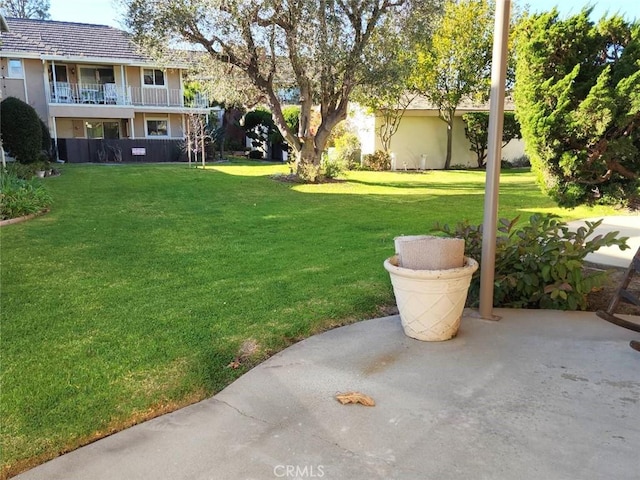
{"points": [[104, 12]]}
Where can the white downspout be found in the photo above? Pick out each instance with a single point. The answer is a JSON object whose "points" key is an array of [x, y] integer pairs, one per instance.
{"points": [[55, 137], [124, 84], [55, 79]]}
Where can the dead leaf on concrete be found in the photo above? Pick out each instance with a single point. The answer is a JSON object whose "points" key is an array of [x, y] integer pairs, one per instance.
{"points": [[355, 397]]}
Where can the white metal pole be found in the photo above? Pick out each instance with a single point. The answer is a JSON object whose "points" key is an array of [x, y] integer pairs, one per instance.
{"points": [[55, 137], [494, 155], [202, 140], [189, 140]]}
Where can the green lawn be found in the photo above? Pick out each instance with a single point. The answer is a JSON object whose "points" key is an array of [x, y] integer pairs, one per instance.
{"points": [[139, 288]]}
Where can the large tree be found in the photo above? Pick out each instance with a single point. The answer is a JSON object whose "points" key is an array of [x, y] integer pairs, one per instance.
{"points": [[321, 47], [578, 101], [454, 64], [389, 98], [38, 9]]}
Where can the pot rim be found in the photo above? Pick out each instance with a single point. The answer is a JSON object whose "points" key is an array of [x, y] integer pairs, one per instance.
{"points": [[469, 267]]}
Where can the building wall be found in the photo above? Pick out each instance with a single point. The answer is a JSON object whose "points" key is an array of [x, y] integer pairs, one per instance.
{"points": [[133, 75], [175, 124], [70, 118], [173, 78], [11, 87], [421, 142], [65, 128], [34, 71]]}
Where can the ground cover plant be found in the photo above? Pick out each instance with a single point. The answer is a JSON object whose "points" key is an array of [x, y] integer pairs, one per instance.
{"points": [[20, 197], [149, 287], [540, 264]]}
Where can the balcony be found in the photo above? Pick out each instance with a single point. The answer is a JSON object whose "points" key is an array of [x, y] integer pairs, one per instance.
{"points": [[113, 94]]}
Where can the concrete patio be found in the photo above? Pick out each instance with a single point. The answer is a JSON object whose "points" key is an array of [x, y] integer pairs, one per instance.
{"points": [[539, 394]]}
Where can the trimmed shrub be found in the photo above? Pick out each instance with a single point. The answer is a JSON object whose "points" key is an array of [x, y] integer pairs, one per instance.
{"points": [[291, 114], [378, 161], [21, 130], [256, 155], [348, 150], [538, 265]]}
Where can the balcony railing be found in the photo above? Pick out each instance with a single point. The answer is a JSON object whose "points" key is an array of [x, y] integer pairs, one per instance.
{"points": [[113, 94]]}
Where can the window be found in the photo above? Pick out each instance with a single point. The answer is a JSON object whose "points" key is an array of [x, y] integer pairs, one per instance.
{"points": [[153, 76], [157, 128], [15, 68], [61, 73], [103, 129], [96, 75]]}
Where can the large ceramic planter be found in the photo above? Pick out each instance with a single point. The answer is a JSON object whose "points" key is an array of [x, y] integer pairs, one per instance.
{"points": [[431, 302]]}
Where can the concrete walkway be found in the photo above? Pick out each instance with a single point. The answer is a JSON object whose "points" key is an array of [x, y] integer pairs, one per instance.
{"points": [[539, 394], [628, 226]]}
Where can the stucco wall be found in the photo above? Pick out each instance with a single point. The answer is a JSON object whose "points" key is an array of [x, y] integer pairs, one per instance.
{"points": [[34, 70], [133, 76], [426, 136], [11, 87], [64, 128], [421, 142], [173, 78], [15, 87], [176, 126]]}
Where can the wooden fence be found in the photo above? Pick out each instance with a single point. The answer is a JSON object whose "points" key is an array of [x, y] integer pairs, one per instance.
{"points": [[84, 150]]}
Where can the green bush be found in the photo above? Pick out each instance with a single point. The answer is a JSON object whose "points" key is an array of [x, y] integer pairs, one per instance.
{"points": [[331, 168], [21, 130], [577, 100], [538, 265], [256, 155], [20, 197], [291, 114], [309, 173], [378, 161], [21, 170], [348, 150]]}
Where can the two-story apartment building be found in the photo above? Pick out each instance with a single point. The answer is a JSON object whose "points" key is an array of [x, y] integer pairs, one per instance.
{"points": [[91, 82]]}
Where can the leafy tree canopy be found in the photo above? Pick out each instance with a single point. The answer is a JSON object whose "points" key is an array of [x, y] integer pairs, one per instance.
{"points": [[454, 64], [476, 128], [577, 99], [38, 9], [321, 47], [390, 97]]}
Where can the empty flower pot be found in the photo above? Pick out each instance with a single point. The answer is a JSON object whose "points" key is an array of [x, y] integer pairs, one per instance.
{"points": [[431, 302]]}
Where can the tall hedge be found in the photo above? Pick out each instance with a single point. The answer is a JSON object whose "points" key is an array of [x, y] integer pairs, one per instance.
{"points": [[21, 130], [577, 95]]}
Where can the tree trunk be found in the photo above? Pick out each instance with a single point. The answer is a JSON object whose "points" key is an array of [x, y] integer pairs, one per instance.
{"points": [[308, 161], [448, 116], [447, 161]]}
